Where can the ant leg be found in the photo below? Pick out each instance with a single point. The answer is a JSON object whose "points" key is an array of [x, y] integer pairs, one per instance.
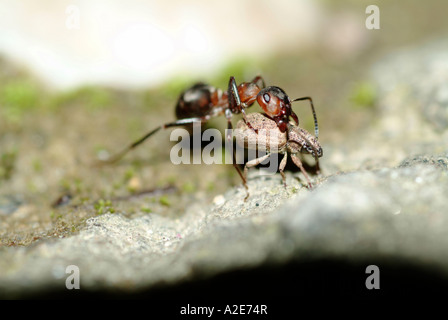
{"points": [[133, 145], [317, 165], [253, 163], [316, 127], [233, 96], [229, 139], [282, 167], [259, 81], [121, 154], [298, 163], [247, 121], [235, 104]]}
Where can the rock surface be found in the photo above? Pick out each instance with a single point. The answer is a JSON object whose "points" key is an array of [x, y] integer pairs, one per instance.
{"points": [[382, 198]]}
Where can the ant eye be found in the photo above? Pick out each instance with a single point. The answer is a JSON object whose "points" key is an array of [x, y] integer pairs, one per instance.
{"points": [[266, 97]]}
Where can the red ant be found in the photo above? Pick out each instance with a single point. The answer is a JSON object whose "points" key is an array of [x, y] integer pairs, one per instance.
{"points": [[202, 102]]}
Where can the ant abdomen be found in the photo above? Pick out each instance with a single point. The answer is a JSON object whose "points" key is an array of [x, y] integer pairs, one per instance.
{"points": [[195, 101]]}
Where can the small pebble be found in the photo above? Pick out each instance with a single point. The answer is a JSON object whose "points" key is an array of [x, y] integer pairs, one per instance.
{"points": [[134, 184], [103, 155], [219, 200]]}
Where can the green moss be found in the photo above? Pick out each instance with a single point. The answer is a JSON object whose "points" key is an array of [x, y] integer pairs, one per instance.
{"points": [[295, 189], [7, 164], [188, 187], [168, 180], [102, 206], [84, 200], [129, 174], [211, 186], [17, 97], [146, 210], [65, 184], [89, 97], [32, 187], [37, 165], [164, 201], [363, 95], [99, 98], [116, 186], [131, 189], [78, 185], [20, 94]]}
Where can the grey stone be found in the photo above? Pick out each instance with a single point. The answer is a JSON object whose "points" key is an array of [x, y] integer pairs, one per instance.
{"points": [[422, 73], [398, 212]]}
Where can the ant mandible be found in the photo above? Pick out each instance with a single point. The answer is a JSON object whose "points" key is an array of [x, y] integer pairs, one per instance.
{"points": [[201, 102]]}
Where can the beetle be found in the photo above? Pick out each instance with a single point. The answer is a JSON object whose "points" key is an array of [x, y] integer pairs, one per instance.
{"points": [[270, 138]]}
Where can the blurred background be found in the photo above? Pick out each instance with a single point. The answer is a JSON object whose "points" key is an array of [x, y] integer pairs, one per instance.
{"points": [[144, 43], [80, 80]]}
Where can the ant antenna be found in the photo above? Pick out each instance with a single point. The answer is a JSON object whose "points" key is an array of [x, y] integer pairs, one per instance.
{"points": [[316, 127]]}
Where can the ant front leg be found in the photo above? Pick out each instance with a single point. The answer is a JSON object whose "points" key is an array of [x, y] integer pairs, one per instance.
{"points": [[235, 104], [229, 139]]}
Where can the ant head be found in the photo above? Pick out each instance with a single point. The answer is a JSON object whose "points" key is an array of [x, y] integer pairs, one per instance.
{"points": [[277, 105]]}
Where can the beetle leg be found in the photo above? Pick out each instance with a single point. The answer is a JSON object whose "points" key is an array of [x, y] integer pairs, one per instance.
{"points": [[298, 163], [282, 167], [253, 163]]}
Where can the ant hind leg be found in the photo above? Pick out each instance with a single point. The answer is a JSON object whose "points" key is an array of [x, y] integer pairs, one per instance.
{"points": [[229, 139], [138, 142], [259, 81]]}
